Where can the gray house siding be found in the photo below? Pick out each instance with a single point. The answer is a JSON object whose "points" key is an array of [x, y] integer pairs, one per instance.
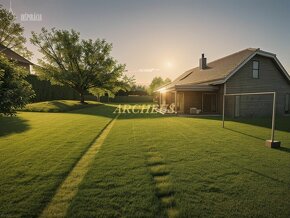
{"points": [[271, 79], [220, 98]]}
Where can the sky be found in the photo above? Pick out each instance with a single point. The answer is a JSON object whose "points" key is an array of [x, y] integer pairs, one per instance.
{"points": [[165, 37]]}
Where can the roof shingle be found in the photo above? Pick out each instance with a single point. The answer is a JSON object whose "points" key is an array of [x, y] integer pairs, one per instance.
{"points": [[216, 70]]}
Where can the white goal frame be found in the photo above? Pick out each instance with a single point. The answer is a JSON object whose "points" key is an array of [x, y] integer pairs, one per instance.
{"points": [[255, 93]]}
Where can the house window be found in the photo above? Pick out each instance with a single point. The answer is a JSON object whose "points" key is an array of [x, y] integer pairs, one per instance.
{"points": [[256, 69], [287, 108]]}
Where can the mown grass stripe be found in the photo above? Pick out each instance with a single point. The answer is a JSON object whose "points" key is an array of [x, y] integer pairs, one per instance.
{"points": [[163, 187], [60, 202]]}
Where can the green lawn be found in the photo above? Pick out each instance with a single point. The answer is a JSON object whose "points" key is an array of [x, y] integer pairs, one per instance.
{"points": [[148, 166], [209, 171], [58, 106], [38, 150]]}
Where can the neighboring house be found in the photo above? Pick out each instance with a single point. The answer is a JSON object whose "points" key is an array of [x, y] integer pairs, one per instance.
{"points": [[21, 61], [250, 70]]}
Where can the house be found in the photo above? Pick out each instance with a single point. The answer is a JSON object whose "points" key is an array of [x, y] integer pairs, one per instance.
{"points": [[21, 61], [201, 89]]}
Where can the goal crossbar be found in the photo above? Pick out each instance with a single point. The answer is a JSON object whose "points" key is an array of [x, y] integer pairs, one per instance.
{"points": [[255, 93]]}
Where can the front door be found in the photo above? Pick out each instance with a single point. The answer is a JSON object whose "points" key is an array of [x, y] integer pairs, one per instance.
{"points": [[180, 102], [209, 102]]}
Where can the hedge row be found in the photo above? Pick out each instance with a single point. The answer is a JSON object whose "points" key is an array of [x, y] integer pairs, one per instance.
{"points": [[128, 99]]}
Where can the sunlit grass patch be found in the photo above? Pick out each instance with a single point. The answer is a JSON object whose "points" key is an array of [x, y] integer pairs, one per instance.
{"points": [[164, 189], [168, 201], [159, 170], [152, 154], [155, 160], [151, 148], [164, 178], [172, 212], [58, 106]]}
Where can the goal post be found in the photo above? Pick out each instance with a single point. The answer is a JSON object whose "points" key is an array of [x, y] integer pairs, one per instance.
{"points": [[271, 142]]}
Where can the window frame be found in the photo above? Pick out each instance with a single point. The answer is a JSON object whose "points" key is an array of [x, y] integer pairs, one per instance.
{"points": [[287, 103], [256, 69]]}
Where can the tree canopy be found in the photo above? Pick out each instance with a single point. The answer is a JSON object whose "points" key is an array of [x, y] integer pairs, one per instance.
{"points": [[156, 83], [84, 65], [15, 91], [11, 33], [134, 90]]}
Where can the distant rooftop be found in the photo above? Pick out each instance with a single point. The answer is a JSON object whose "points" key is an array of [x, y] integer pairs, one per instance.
{"points": [[13, 55]]}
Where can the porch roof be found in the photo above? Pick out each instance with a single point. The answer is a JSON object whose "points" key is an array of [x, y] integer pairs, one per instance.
{"points": [[191, 87]]}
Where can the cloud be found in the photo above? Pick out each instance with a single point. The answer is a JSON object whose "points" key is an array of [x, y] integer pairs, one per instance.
{"points": [[148, 70]]}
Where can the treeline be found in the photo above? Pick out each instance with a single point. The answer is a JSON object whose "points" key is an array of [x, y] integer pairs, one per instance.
{"points": [[45, 91], [142, 90], [134, 90]]}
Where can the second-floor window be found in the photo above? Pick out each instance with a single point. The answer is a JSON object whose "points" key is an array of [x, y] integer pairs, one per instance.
{"points": [[256, 69]]}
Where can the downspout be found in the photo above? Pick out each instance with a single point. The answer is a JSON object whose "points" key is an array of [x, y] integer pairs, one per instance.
{"points": [[175, 102]]}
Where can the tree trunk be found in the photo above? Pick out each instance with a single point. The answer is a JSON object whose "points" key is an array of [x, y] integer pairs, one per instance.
{"points": [[82, 98]]}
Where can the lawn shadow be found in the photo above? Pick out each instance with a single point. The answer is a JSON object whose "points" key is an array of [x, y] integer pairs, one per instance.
{"points": [[243, 133], [10, 125], [282, 122], [260, 174], [283, 149], [102, 110], [61, 106], [241, 167]]}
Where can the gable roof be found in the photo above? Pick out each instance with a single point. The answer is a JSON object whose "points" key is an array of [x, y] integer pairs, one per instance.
{"points": [[13, 55], [220, 70]]}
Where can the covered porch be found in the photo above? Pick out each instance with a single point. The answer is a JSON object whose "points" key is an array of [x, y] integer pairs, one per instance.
{"points": [[191, 99]]}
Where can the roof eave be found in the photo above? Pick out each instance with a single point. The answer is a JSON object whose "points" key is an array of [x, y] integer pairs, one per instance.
{"points": [[188, 87], [196, 88], [20, 58], [25, 62]]}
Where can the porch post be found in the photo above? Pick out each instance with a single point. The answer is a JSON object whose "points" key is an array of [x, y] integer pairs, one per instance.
{"points": [[273, 118], [165, 97], [224, 97], [160, 99]]}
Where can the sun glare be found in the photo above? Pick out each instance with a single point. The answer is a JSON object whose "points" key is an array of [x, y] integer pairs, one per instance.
{"points": [[168, 64]]}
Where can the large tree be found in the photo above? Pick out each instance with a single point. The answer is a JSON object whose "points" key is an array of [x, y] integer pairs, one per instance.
{"points": [[156, 83], [84, 65], [11, 33], [15, 91]]}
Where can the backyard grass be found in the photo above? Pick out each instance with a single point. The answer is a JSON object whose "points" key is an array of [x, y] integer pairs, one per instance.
{"points": [[37, 152], [148, 166], [57, 106], [187, 167]]}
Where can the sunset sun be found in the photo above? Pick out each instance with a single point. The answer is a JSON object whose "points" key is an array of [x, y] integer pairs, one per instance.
{"points": [[168, 64]]}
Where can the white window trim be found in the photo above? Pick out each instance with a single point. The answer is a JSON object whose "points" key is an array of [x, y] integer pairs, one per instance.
{"points": [[255, 71]]}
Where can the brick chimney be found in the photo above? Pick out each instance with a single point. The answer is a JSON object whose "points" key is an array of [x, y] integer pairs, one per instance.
{"points": [[202, 62]]}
